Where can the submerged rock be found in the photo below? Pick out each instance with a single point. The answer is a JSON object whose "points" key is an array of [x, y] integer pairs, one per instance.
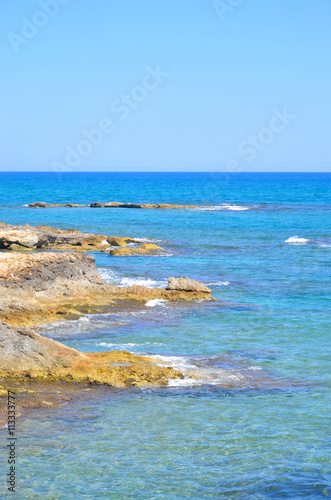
{"points": [[186, 284], [146, 249]]}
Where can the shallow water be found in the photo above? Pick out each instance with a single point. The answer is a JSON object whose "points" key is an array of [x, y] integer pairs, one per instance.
{"points": [[250, 420]]}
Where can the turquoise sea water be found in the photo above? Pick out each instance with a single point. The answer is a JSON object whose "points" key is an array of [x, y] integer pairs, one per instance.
{"points": [[257, 425]]}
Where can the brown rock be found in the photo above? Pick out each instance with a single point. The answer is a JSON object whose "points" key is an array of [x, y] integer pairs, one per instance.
{"points": [[97, 205], [38, 204], [25, 353], [113, 204], [186, 284], [29, 237], [44, 287], [146, 249]]}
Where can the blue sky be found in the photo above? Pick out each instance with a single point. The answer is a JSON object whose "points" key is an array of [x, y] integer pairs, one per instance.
{"points": [[165, 85]]}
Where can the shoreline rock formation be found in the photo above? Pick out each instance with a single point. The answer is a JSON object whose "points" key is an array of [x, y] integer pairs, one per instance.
{"points": [[26, 354], [48, 286], [27, 238], [146, 249]]}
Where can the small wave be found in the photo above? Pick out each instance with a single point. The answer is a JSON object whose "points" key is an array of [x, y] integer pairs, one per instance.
{"points": [[148, 240], [156, 302], [219, 283], [129, 344], [195, 374], [223, 206], [111, 277], [105, 242], [295, 240], [26, 205]]}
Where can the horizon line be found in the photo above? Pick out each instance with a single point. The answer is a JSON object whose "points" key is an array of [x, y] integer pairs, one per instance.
{"points": [[164, 171]]}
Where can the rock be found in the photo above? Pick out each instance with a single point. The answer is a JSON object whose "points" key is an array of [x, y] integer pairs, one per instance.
{"points": [[112, 204], [24, 353], [132, 205], [117, 241], [28, 237], [46, 286], [38, 204], [22, 237], [146, 249], [37, 288], [186, 284]]}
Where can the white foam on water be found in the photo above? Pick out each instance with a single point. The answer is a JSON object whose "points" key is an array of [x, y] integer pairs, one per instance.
{"points": [[107, 274], [25, 205], [147, 240], [111, 277], [156, 302], [237, 208], [219, 283], [196, 375], [223, 206], [137, 281], [129, 344], [295, 240], [105, 242]]}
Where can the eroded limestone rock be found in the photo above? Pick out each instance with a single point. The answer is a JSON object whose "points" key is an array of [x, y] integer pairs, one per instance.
{"points": [[146, 249], [186, 284]]}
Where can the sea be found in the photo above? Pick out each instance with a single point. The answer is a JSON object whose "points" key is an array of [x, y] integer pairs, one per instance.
{"points": [[256, 423]]}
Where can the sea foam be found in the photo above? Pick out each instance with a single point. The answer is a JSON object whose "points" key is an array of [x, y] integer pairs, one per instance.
{"points": [[295, 240]]}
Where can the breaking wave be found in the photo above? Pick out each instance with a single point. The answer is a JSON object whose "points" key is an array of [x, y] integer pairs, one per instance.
{"points": [[295, 240]]}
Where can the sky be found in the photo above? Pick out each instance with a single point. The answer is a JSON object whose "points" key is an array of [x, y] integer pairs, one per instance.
{"points": [[165, 85]]}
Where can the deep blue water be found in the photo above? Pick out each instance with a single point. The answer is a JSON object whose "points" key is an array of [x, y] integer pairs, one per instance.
{"points": [[256, 426]]}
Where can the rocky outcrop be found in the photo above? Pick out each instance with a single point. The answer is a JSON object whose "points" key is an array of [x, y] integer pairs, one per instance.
{"points": [[25, 238], [43, 204], [44, 287], [112, 204], [116, 204], [187, 285], [26, 354], [38, 204], [146, 249]]}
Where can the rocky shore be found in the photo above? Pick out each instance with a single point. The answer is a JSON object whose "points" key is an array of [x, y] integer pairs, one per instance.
{"points": [[25, 354], [28, 238], [41, 370], [39, 286], [47, 286]]}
